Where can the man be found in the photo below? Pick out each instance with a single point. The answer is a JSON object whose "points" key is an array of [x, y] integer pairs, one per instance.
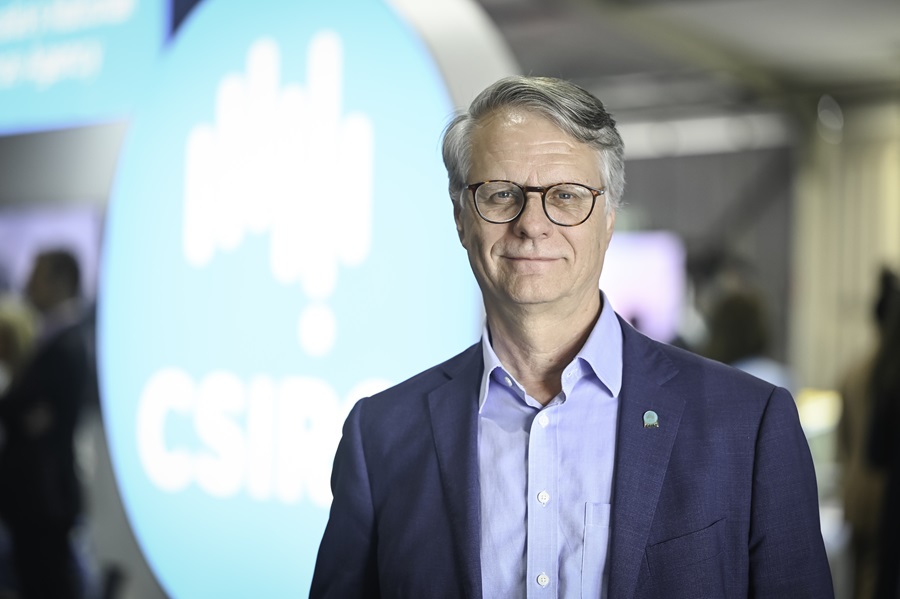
{"points": [[39, 490], [565, 455]]}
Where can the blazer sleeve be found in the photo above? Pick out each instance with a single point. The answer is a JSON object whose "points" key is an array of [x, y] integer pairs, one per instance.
{"points": [[787, 554], [346, 565]]}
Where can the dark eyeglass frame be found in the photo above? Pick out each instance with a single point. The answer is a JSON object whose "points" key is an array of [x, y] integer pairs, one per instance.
{"points": [[526, 189]]}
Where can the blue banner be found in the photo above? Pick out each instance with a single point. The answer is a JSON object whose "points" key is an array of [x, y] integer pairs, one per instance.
{"points": [[70, 62]]}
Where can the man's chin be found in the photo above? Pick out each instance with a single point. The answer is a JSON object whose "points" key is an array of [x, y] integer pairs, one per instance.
{"points": [[525, 294]]}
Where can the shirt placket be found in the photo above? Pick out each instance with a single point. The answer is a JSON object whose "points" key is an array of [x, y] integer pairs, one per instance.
{"points": [[542, 507]]}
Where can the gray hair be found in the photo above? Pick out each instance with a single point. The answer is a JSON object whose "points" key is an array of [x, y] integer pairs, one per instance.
{"points": [[571, 108]]}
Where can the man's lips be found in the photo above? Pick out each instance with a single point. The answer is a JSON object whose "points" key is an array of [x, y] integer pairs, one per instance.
{"points": [[531, 258]]}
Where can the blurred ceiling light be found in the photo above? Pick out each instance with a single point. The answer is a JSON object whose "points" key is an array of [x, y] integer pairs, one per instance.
{"points": [[830, 122], [708, 135]]}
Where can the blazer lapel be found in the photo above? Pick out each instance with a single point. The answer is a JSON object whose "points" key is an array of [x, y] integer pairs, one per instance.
{"points": [[454, 423], [642, 455]]}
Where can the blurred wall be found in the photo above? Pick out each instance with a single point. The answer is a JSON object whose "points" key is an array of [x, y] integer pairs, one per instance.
{"points": [[846, 226], [53, 168]]}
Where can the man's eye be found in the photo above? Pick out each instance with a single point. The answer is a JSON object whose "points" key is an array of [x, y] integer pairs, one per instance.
{"points": [[562, 197], [503, 196]]}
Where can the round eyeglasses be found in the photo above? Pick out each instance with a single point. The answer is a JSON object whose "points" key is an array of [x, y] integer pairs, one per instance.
{"points": [[566, 204]]}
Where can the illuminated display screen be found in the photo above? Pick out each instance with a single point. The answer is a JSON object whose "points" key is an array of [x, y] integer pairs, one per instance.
{"points": [[644, 277], [279, 243], [69, 62]]}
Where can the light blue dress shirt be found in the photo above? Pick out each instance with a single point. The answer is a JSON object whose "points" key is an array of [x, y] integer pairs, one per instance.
{"points": [[546, 473]]}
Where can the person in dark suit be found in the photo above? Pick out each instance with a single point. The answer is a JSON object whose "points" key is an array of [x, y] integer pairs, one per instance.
{"points": [[862, 484], [884, 450], [565, 454], [40, 497]]}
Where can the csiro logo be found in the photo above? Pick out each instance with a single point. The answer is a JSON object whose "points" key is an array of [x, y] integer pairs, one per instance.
{"points": [[276, 159], [263, 269], [249, 173]]}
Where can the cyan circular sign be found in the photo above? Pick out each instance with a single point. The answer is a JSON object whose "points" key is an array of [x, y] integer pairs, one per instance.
{"points": [[279, 243]]}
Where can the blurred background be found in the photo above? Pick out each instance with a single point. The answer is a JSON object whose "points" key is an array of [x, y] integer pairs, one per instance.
{"points": [[760, 227]]}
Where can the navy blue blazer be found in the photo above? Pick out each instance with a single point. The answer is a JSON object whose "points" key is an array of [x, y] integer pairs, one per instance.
{"points": [[717, 502]]}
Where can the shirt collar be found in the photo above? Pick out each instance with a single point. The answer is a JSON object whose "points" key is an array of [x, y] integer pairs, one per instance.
{"points": [[602, 352]]}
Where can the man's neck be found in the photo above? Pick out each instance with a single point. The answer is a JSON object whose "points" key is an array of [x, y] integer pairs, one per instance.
{"points": [[536, 344]]}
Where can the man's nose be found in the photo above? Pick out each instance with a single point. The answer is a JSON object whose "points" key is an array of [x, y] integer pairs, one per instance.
{"points": [[533, 222]]}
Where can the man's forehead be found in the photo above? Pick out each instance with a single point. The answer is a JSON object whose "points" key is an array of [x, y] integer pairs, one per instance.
{"points": [[520, 144], [514, 133], [513, 126], [513, 117]]}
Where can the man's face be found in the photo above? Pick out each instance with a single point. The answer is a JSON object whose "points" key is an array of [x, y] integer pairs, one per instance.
{"points": [[532, 260]]}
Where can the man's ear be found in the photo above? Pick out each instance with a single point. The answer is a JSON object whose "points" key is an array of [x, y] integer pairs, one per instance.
{"points": [[610, 222], [458, 218], [610, 219]]}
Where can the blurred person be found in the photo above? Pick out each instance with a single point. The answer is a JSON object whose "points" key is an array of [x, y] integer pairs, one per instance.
{"points": [[16, 338], [884, 448], [861, 484], [40, 498], [739, 336], [17, 331], [565, 454]]}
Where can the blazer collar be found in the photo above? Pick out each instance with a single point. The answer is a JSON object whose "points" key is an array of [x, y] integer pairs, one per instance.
{"points": [[642, 454], [453, 407]]}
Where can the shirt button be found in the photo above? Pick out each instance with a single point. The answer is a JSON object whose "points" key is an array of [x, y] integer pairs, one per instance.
{"points": [[543, 579], [508, 381], [543, 420], [543, 497]]}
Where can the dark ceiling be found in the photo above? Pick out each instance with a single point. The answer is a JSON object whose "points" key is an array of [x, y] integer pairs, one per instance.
{"points": [[662, 58]]}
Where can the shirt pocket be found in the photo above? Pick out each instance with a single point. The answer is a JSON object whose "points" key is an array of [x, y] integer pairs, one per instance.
{"points": [[596, 546]]}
